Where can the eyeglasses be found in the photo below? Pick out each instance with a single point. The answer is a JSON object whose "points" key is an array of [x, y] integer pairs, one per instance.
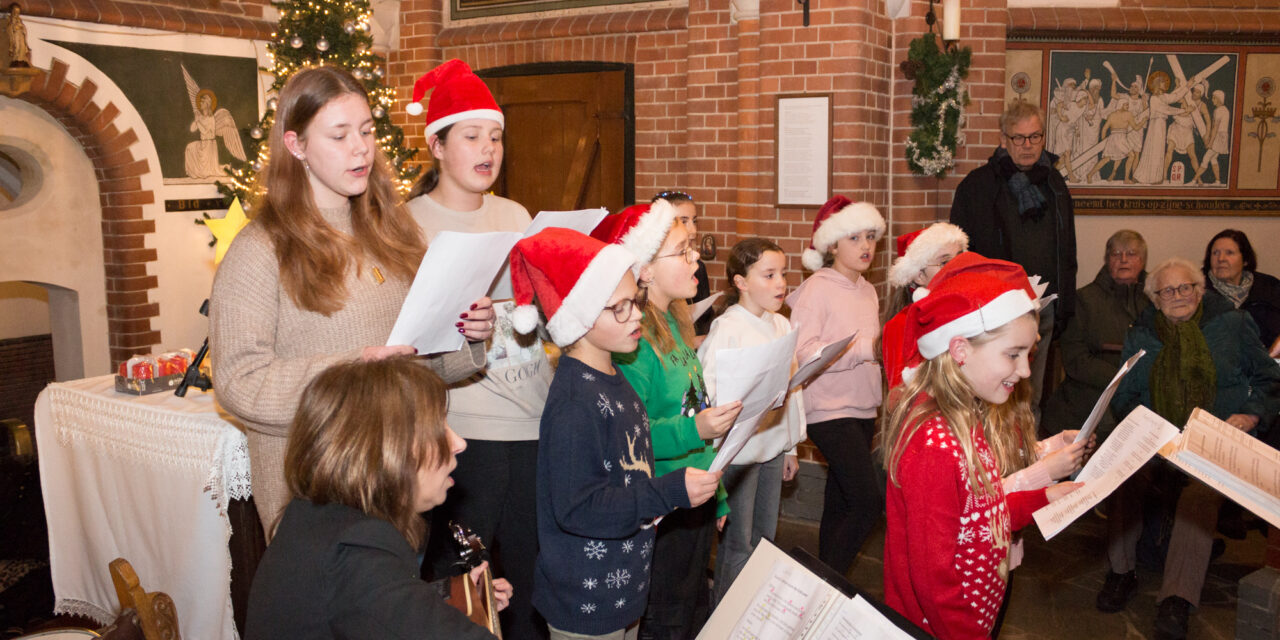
{"points": [[622, 310], [690, 255], [673, 194], [1183, 289], [1020, 140], [1127, 253]]}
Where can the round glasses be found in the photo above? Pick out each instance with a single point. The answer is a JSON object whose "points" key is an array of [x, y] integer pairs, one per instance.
{"points": [[690, 255], [622, 310], [1183, 289]]}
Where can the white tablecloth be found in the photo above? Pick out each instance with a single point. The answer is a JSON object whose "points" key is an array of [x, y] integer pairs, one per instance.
{"points": [[146, 479]]}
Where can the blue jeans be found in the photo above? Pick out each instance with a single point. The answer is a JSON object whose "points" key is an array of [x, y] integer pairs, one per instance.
{"points": [[754, 493]]}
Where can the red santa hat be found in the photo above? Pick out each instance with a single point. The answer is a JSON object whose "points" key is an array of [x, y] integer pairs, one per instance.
{"points": [[571, 275], [641, 228], [920, 248], [839, 218], [459, 95], [970, 296]]}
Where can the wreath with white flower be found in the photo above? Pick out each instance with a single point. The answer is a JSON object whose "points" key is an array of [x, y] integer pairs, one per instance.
{"points": [[937, 104]]}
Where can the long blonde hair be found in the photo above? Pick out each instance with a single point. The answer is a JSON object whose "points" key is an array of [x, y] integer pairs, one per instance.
{"points": [[362, 432], [314, 259], [655, 330], [940, 388]]}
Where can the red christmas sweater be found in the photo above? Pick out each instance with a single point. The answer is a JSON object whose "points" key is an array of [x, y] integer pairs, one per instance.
{"points": [[946, 548]]}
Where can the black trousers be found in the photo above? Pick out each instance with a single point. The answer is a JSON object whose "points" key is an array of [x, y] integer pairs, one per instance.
{"points": [[494, 496], [854, 497], [678, 592]]}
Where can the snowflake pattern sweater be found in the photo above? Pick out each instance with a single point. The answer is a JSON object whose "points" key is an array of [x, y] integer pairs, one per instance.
{"points": [[597, 499], [946, 548]]}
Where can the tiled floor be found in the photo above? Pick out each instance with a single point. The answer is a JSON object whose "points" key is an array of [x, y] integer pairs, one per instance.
{"points": [[1054, 589]]}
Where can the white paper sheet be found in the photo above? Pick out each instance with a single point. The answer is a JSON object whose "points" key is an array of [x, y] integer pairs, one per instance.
{"points": [[1100, 407], [814, 365], [785, 605], [701, 307], [584, 220], [456, 271], [852, 619], [1135, 441], [1230, 461], [756, 375]]}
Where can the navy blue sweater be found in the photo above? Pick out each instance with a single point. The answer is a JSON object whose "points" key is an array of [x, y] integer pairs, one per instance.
{"points": [[597, 501]]}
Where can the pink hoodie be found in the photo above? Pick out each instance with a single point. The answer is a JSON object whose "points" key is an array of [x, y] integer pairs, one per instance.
{"points": [[825, 308]]}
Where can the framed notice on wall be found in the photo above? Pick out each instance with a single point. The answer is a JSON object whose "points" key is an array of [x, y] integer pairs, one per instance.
{"points": [[803, 156]]}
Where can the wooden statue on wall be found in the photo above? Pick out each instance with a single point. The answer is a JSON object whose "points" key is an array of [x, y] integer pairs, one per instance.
{"points": [[19, 52]]}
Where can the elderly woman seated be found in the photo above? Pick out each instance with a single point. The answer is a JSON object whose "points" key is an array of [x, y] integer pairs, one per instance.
{"points": [[1091, 343], [1232, 268], [1201, 352]]}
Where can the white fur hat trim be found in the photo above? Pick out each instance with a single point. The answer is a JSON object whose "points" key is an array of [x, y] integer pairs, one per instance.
{"points": [[859, 216], [924, 250]]}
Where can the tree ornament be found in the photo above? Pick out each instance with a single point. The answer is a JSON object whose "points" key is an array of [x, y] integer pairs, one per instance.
{"points": [[255, 133], [257, 165], [379, 112], [358, 73], [296, 42], [272, 103], [322, 44], [365, 27], [378, 72], [349, 27]]}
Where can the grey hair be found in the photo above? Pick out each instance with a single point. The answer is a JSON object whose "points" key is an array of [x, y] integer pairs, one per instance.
{"points": [[1125, 237], [1197, 277], [1017, 112]]}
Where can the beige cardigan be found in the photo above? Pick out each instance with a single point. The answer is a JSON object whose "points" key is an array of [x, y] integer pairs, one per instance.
{"points": [[265, 350]]}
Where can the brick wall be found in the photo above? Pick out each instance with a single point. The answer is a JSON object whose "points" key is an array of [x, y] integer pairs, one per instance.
{"points": [[234, 18], [26, 366]]}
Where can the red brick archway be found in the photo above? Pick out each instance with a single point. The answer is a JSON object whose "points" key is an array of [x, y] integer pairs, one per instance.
{"points": [[124, 231]]}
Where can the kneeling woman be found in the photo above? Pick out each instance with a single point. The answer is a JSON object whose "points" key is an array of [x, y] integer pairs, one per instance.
{"points": [[368, 451]]}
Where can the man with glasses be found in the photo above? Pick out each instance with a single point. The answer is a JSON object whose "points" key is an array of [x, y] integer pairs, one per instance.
{"points": [[1016, 207]]}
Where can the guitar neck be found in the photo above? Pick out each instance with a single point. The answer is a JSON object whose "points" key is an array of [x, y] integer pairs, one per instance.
{"points": [[490, 605]]}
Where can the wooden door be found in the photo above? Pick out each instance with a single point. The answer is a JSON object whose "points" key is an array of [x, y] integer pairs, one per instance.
{"points": [[568, 142]]}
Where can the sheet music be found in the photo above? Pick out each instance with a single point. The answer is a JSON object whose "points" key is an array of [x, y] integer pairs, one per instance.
{"points": [[431, 308], [854, 618], [1136, 439], [785, 605], [819, 361], [1100, 407], [756, 375], [1232, 462], [584, 220]]}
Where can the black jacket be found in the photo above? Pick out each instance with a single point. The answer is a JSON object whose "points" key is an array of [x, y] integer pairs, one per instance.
{"points": [[334, 572], [987, 210], [1262, 304]]}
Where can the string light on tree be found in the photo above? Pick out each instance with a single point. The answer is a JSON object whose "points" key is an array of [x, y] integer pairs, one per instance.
{"points": [[339, 34]]}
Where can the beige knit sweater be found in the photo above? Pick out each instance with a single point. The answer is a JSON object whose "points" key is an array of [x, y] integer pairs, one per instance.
{"points": [[265, 350]]}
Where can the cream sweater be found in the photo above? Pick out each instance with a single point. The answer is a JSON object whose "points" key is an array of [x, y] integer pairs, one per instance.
{"points": [[506, 402], [265, 350]]}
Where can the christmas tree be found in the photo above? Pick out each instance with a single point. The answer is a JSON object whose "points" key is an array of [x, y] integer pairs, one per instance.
{"points": [[332, 32]]}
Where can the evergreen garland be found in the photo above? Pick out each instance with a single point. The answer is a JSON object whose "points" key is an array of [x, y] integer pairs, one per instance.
{"points": [[332, 32], [937, 105]]}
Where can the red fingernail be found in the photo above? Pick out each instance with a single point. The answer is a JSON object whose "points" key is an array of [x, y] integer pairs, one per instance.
{"points": [[462, 330], [473, 307], [463, 316], [415, 351], [457, 324]]}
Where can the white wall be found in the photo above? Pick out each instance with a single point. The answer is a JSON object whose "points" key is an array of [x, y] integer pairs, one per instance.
{"points": [[24, 310], [1169, 236], [54, 234]]}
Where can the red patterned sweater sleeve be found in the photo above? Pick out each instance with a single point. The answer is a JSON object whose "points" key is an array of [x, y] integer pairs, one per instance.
{"points": [[934, 494], [1022, 504]]}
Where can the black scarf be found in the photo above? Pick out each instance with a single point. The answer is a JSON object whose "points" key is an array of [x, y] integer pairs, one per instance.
{"points": [[1025, 185]]}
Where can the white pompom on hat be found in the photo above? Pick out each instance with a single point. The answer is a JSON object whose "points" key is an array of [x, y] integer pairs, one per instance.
{"points": [[641, 228], [571, 275], [459, 95], [920, 248], [839, 218]]}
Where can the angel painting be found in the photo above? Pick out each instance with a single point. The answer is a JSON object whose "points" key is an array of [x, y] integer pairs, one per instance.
{"points": [[201, 159]]}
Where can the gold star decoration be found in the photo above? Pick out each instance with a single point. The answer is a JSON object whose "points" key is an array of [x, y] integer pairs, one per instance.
{"points": [[226, 228]]}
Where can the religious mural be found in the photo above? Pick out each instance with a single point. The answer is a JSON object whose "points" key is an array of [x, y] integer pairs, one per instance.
{"points": [[1157, 128], [193, 104]]}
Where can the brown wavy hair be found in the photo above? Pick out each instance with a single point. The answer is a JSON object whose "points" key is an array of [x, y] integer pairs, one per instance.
{"points": [[314, 258], [362, 432]]}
